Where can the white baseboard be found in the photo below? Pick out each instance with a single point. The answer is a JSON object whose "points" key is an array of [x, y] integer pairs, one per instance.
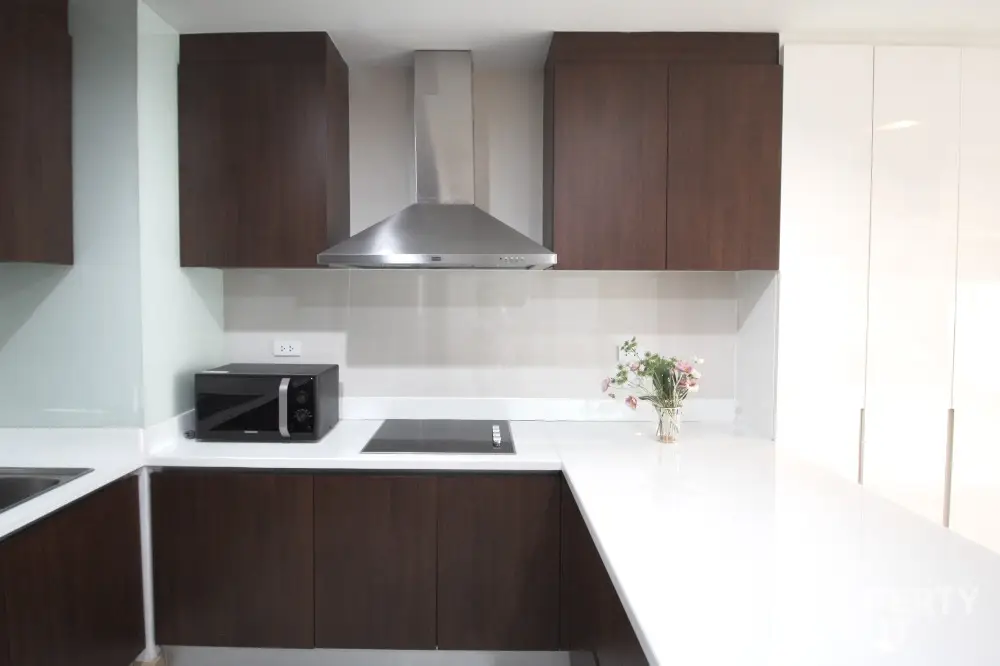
{"points": [[199, 656]]}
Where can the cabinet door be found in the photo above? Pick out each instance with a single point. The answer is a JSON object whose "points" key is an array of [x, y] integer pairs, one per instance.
{"points": [[580, 568], [911, 296], [825, 220], [724, 170], [233, 559], [74, 583], [975, 498], [253, 163], [593, 621], [4, 634], [609, 158], [498, 562], [36, 178], [376, 568]]}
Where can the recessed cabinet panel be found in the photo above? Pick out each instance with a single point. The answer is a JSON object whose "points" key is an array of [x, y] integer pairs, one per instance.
{"points": [[825, 219], [911, 296], [975, 489]]}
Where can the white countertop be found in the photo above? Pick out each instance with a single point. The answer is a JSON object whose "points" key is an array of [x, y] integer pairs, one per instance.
{"points": [[721, 552], [111, 453]]}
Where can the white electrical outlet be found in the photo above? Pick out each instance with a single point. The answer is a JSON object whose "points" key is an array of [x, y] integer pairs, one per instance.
{"points": [[622, 357], [287, 348]]}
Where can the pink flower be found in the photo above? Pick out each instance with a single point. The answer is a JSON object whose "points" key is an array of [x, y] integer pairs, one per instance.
{"points": [[685, 367], [605, 383], [634, 367], [631, 402]]}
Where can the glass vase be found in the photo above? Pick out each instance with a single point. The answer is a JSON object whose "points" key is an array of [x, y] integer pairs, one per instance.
{"points": [[668, 424]]}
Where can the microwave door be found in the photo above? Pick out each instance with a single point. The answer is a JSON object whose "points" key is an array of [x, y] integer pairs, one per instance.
{"points": [[250, 405], [217, 420]]}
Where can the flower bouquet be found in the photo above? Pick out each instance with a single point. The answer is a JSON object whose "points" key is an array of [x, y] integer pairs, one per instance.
{"points": [[664, 382]]}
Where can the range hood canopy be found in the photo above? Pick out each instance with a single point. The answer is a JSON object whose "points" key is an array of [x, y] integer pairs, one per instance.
{"points": [[444, 229]]}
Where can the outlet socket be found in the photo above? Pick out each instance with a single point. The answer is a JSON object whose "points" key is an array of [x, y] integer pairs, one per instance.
{"points": [[287, 348]]}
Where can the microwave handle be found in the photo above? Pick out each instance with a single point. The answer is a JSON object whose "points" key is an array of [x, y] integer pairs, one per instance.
{"points": [[283, 407]]}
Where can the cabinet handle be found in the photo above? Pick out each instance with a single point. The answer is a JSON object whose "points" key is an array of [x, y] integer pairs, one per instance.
{"points": [[949, 456], [861, 449], [283, 407]]}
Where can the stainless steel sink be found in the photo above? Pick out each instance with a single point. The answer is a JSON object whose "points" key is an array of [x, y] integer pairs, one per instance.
{"points": [[20, 484]]}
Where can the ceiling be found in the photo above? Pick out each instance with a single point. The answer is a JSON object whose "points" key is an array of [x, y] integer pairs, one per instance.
{"points": [[517, 31]]}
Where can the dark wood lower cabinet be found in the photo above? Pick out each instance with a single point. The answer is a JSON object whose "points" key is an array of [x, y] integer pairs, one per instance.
{"points": [[376, 561], [4, 635], [382, 561], [233, 558], [498, 562], [593, 622], [72, 584]]}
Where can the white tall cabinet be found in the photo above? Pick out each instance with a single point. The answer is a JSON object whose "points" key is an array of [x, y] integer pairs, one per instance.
{"points": [[823, 296], [911, 284], [890, 274], [975, 495]]}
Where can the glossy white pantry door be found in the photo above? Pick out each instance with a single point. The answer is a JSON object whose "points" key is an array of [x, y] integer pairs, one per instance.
{"points": [[823, 296], [975, 496], [911, 295]]}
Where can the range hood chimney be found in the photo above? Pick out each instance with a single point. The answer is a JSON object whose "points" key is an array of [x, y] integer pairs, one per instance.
{"points": [[445, 228]]}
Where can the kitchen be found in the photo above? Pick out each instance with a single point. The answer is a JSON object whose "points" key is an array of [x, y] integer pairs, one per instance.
{"points": [[766, 526]]}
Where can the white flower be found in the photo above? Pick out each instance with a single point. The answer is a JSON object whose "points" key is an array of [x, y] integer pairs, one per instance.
{"points": [[693, 389], [698, 361], [696, 374]]}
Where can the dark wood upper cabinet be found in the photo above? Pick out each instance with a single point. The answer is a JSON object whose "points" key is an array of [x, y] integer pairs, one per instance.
{"points": [[609, 126], [724, 182], [264, 149], [233, 558], [498, 562], [36, 173], [662, 151], [73, 583], [376, 561]]}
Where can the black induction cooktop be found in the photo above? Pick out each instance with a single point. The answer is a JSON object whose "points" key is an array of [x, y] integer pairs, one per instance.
{"points": [[441, 436]]}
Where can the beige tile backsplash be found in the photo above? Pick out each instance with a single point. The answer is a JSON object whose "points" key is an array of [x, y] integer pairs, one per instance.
{"points": [[551, 334]]}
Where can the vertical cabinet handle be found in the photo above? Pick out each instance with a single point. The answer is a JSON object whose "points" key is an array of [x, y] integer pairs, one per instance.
{"points": [[283, 407], [949, 457], [861, 448]]}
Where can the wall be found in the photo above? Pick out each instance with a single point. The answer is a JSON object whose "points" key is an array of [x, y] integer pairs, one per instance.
{"points": [[756, 351], [483, 333], [70, 338], [181, 308]]}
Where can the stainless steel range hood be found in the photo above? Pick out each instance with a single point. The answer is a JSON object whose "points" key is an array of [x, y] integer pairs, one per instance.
{"points": [[444, 229]]}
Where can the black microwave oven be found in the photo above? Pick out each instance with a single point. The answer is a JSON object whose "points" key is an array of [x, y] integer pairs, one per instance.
{"points": [[266, 402]]}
